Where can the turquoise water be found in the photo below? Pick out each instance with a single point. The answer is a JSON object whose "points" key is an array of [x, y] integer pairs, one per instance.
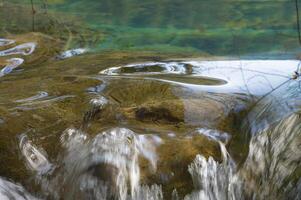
{"points": [[215, 27]]}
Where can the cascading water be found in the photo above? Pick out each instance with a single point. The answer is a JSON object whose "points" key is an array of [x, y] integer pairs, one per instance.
{"points": [[98, 168], [12, 191], [107, 165], [146, 100]]}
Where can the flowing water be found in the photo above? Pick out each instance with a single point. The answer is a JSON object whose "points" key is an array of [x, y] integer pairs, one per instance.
{"points": [[149, 100]]}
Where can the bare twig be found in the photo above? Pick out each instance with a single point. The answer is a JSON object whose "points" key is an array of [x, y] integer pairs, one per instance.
{"points": [[298, 21], [33, 15], [240, 65], [297, 72]]}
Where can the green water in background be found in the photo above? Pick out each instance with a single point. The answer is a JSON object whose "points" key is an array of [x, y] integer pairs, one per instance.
{"points": [[215, 27]]}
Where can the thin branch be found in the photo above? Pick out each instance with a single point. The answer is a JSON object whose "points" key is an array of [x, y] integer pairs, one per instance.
{"points": [[33, 15], [298, 21], [298, 29]]}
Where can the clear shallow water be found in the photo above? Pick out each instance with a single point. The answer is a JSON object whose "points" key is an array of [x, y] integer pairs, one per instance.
{"points": [[242, 27], [80, 121]]}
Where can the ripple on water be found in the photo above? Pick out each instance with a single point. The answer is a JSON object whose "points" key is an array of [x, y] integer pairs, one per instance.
{"points": [[41, 102], [22, 49], [12, 64], [40, 95], [6, 42]]}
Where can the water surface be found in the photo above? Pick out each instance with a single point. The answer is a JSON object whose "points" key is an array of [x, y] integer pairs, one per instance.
{"points": [[149, 100]]}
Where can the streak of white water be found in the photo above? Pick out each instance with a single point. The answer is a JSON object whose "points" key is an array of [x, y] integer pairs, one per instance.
{"points": [[12, 64], [5, 42], [213, 180], [119, 149], [12, 191], [100, 168], [269, 172], [23, 49], [41, 103], [40, 95], [214, 134]]}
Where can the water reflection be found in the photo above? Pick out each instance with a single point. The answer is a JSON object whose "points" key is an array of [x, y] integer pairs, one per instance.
{"points": [[253, 77]]}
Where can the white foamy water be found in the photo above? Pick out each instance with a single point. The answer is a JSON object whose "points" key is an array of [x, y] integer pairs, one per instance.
{"points": [[213, 180], [99, 101], [102, 167], [117, 149], [106, 166]]}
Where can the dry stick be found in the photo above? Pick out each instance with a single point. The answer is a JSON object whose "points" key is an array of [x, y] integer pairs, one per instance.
{"points": [[240, 64], [298, 29], [33, 16], [298, 20]]}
